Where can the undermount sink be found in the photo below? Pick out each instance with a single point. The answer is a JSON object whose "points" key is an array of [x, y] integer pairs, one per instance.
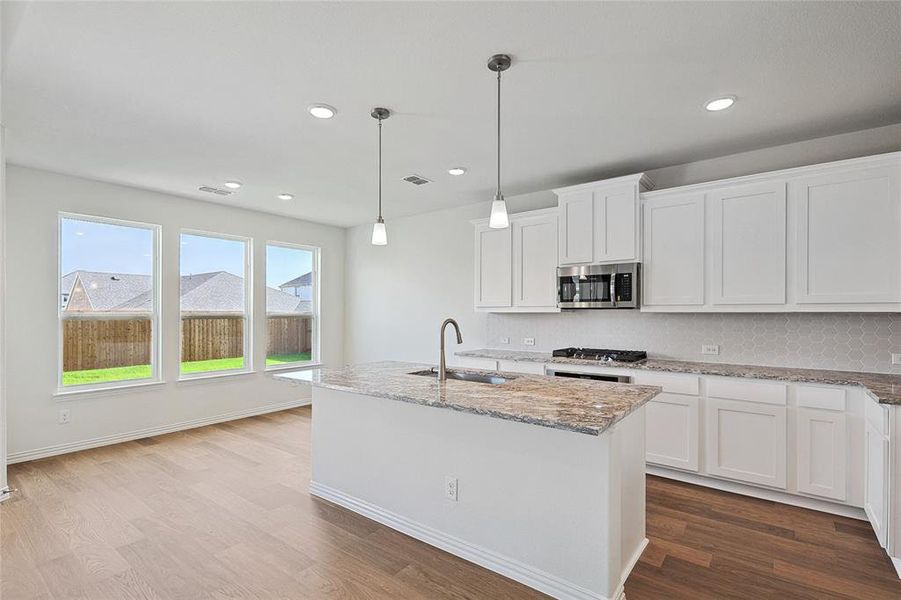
{"points": [[464, 376]]}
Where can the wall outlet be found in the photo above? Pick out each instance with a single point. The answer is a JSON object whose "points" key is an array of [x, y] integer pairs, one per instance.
{"points": [[64, 416], [710, 349], [450, 488], [896, 359], [505, 340], [528, 341]]}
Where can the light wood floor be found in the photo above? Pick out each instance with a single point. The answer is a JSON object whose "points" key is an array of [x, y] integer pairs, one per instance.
{"points": [[223, 512]]}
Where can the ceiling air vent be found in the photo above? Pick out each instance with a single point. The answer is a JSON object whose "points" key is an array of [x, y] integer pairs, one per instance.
{"points": [[212, 190], [417, 180]]}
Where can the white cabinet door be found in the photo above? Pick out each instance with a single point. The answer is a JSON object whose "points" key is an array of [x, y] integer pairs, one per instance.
{"points": [[849, 236], [576, 222], [528, 368], [674, 250], [493, 266], [535, 261], [616, 220], [875, 479], [746, 441], [671, 438], [747, 230], [822, 453]]}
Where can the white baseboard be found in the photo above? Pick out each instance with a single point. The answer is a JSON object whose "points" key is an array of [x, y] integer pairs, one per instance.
{"points": [[897, 564], [117, 438], [621, 589], [535, 578], [749, 490]]}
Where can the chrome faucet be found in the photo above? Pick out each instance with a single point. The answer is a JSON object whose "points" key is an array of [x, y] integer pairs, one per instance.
{"points": [[442, 365]]}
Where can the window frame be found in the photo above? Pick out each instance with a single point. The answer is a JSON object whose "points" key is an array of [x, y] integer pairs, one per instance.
{"points": [[248, 305], [156, 362], [315, 356]]}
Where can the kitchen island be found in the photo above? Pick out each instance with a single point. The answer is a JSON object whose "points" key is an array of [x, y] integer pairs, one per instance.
{"points": [[540, 479]]}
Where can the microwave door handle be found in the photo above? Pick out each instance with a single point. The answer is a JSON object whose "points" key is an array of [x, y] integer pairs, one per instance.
{"points": [[613, 289]]}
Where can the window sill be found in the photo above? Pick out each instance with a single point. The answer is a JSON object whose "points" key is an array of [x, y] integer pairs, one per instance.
{"points": [[66, 395], [200, 377], [293, 367]]}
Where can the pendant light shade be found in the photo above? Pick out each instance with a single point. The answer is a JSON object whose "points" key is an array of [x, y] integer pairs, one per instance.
{"points": [[379, 232], [498, 219]]}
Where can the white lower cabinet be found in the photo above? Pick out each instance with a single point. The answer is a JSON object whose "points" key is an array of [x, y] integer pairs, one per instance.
{"points": [[746, 441], [527, 368], [672, 433], [875, 481], [821, 437]]}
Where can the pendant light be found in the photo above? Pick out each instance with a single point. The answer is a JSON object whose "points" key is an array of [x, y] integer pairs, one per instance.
{"points": [[379, 233], [498, 220]]}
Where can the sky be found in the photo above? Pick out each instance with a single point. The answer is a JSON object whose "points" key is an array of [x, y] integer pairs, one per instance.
{"points": [[91, 246]]}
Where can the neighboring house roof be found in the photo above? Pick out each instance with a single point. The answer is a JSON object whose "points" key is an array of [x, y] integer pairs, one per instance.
{"points": [[304, 280], [205, 292]]}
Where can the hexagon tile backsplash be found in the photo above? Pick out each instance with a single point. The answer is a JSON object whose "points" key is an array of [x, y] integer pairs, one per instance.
{"points": [[843, 341]]}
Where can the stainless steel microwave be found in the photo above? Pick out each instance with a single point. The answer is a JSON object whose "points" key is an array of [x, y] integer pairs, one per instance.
{"points": [[599, 286]]}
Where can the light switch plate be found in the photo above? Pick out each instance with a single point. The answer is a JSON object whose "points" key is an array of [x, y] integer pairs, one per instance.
{"points": [[896, 359], [528, 341], [710, 349]]}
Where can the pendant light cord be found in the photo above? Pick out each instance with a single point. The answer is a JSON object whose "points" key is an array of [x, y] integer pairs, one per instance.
{"points": [[380, 168], [498, 133]]}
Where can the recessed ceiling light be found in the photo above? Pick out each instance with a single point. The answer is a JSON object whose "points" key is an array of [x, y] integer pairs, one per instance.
{"points": [[322, 111], [285, 197], [79, 233], [719, 103], [232, 185], [456, 171]]}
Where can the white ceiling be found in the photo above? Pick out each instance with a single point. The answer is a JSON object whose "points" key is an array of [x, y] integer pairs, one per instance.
{"points": [[171, 96]]}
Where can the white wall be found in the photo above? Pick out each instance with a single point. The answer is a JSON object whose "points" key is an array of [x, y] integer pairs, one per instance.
{"points": [[34, 198], [399, 294]]}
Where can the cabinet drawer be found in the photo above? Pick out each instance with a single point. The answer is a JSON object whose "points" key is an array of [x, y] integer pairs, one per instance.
{"points": [[877, 415], [676, 384], [749, 391], [823, 398], [528, 368]]}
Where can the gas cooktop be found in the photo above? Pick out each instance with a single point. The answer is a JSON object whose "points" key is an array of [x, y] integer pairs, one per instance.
{"points": [[602, 355]]}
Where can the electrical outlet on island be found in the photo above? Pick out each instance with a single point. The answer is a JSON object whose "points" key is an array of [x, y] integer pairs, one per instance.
{"points": [[450, 488]]}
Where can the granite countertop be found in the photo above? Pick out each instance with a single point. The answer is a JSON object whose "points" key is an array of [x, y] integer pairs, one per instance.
{"points": [[883, 387], [582, 406]]}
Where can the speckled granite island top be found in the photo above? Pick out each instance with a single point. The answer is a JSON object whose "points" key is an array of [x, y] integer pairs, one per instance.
{"points": [[582, 406], [885, 388]]}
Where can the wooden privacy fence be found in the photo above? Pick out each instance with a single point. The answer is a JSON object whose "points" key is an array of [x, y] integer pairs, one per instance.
{"points": [[102, 343]]}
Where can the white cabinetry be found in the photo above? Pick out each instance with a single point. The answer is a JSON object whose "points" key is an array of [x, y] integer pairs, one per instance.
{"points": [[876, 471], [515, 267], [672, 420], [534, 260], [849, 236], [747, 227], [600, 222], [821, 238], [494, 267], [576, 217], [674, 250]]}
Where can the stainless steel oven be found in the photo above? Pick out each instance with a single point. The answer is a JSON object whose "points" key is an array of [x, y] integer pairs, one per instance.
{"points": [[599, 286]]}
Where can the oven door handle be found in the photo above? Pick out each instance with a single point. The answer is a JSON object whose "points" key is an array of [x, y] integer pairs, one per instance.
{"points": [[613, 289]]}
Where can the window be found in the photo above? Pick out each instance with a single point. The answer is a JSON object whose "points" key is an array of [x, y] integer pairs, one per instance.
{"points": [[108, 302], [292, 304], [215, 301]]}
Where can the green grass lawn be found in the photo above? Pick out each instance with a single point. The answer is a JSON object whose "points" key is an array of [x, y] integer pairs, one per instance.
{"points": [[196, 366]]}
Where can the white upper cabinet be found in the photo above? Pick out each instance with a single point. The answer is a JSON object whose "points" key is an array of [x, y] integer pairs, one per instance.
{"points": [[535, 260], [747, 231], [494, 266], [820, 238], [576, 217], [600, 222], [674, 250], [849, 236], [516, 267]]}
